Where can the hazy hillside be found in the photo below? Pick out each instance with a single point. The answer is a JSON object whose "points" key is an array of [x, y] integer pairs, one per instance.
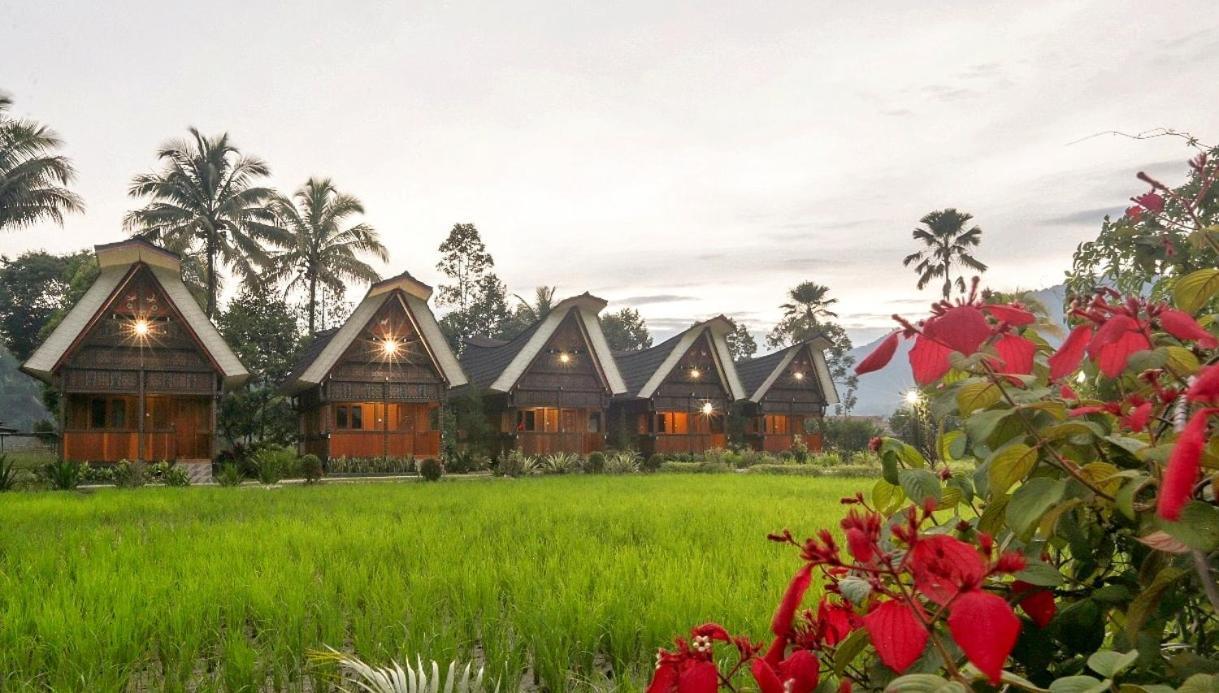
{"points": [[20, 395], [880, 393]]}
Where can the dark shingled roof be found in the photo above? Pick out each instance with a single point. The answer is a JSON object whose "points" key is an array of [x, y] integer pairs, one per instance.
{"points": [[637, 367], [484, 359], [311, 352], [754, 372]]}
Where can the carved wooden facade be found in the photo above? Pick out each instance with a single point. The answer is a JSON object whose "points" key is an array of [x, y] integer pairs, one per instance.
{"points": [[382, 398], [790, 407]]}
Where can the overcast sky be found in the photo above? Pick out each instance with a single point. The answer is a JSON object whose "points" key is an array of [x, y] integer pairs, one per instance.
{"points": [[685, 158]]}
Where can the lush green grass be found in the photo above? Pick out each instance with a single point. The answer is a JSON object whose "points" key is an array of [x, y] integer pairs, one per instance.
{"points": [[233, 586]]}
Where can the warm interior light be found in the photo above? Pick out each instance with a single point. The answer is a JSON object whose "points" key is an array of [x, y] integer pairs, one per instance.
{"points": [[708, 409], [694, 373], [798, 375], [140, 328], [913, 397], [389, 347], [564, 357]]}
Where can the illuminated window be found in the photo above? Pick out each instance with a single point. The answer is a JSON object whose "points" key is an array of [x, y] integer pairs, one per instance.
{"points": [[777, 424], [672, 422]]}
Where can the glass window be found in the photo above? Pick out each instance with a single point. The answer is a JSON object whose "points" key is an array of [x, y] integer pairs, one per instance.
{"points": [[118, 413], [594, 422], [340, 416], [357, 417], [551, 417], [97, 413]]}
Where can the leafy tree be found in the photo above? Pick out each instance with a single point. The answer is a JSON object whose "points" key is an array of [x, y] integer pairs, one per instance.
{"points": [[262, 329], [948, 245], [805, 316], [741, 343], [543, 302], [464, 260], [848, 433], [33, 179], [205, 201], [35, 288], [321, 248], [626, 330]]}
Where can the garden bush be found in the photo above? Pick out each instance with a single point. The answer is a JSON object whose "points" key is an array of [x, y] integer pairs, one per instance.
{"points": [[272, 463], [128, 474], [465, 461], [595, 464], [8, 474], [431, 469], [622, 462], [371, 465], [97, 474], [311, 468], [229, 475], [653, 462], [790, 469], [62, 475], [175, 476], [514, 463], [695, 467]]}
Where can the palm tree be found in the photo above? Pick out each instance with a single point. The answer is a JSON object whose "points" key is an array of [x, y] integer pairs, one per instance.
{"points": [[809, 303], [319, 249], [948, 243], [543, 302], [205, 201], [32, 179]]}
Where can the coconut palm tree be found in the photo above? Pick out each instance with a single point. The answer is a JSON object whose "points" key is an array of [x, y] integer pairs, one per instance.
{"points": [[205, 201], [32, 178], [543, 302], [948, 243], [809, 303], [321, 248]]}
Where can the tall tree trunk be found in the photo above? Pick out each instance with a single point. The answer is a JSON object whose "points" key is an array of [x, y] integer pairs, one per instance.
{"points": [[211, 274], [312, 303]]}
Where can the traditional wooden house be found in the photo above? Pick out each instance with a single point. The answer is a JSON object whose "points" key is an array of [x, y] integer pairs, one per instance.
{"points": [[374, 387], [138, 365], [547, 390], [680, 391], [788, 392]]}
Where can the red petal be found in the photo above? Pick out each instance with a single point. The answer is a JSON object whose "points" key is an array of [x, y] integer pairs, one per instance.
{"points": [[896, 634], [774, 653], [1010, 314], [665, 679], [768, 681], [833, 621], [781, 624], [985, 628], [699, 677], [929, 360], [714, 631], [1067, 392], [1138, 417], [859, 545], [944, 566], [962, 329], [1183, 326], [1017, 354], [880, 356], [1184, 465], [1110, 332], [803, 671], [1206, 385], [1067, 358], [1151, 201], [1037, 603], [1113, 356]]}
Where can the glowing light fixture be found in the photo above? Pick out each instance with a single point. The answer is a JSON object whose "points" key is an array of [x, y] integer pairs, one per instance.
{"points": [[564, 357], [389, 347], [798, 375], [913, 397], [708, 409], [694, 373], [140, 328]]}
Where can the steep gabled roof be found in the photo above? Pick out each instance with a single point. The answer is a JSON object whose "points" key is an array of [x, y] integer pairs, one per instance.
{"points": [[646, 369], [494, 364], [758, 375], [328, 347], [118, 262]]}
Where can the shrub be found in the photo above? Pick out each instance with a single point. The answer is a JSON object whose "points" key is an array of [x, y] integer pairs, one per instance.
{"points": [[560, 463], [652, 463], [175, 476], [8, 474], [787, 456], [372, 465], [129, 474], [828, 459], [622, 462], [272, 463], [849, 434], [311, 468], [595, 464], [799, 449], [229, 475], [791, 470], [695, 467], [431, 469], [513, 464], [97, 474], [464, 461], [62, 475]]}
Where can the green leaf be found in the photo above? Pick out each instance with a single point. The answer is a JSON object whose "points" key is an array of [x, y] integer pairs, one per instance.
{"points": [[1073, 428], [923, 683], [849, 649], [1200, 683], [964, 485], [920, 484], [1078, 684], [1198, 527], [1031, 501], [950, 445], [992, 518], [1041, 574], [1109, 664], [1195, 289], [1146, 601], [979, 426], [1181, 360], [888, 468], [887, 497], [1010, 464], [1112, 594], [977, 394], [855, 589]]}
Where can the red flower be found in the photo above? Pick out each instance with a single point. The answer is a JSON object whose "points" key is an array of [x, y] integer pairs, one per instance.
{"points": [[1134, 213], [1067, 358], [781, 624], [1067, 392], [1114, 342], [880, 356], [1017, 354], [1184, 465], [799, 673], [1152, 202], [1183, 326], [1138, 417], [1037, 603], [713, 631], [768, 681], [929, 360], [985, 628], [1010, 562], [1010, 314], [962, 328], [833, 622], [1206, 385], [944, 566], [896, 634], [684, 672], [859, 545]]}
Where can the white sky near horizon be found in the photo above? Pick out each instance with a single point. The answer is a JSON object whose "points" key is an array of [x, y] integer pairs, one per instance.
{"points": [[688, 159]]}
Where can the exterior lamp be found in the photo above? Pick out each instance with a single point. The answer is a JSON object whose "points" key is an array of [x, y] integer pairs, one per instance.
{"points": [[913, 397], [140, 328], [798, 375], [564, 357], [694, 373], [708, 409], [389, 347]]}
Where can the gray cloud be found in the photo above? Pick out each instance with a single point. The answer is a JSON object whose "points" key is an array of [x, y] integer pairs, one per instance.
{"points": [[655, 299], [1086, 216]]}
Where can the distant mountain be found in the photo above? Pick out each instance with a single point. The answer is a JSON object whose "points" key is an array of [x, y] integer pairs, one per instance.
{"points": [[20, 395], [880, 393]]}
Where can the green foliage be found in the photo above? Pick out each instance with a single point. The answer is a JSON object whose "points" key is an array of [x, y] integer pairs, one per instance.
{"points": [[477, 298], [560, 463], [431, 469], [694, 467], [652, 462], [947, 245], [33, 177], [128, 474], [36, 288], [8, 473], [174, 475], [311, 468], [622, 462], [465, 462], [595, 464], [229, 475], [62, 475], [807, 315], [273, 463], [371, 465], [470, 425], [741, 343], [849, 434], [626, 330]]}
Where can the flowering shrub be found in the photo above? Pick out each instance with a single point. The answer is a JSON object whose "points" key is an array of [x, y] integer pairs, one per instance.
{"points": [[1077, 552]]}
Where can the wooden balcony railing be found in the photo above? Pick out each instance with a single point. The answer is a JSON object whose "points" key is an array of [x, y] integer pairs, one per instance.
{"points": [[384, 444]]}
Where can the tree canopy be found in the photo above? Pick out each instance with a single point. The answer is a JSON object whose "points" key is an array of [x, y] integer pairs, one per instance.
{"points": [[33, 178]]}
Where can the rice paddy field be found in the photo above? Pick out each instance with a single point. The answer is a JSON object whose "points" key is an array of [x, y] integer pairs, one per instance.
{"points": [[571, 581]]}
